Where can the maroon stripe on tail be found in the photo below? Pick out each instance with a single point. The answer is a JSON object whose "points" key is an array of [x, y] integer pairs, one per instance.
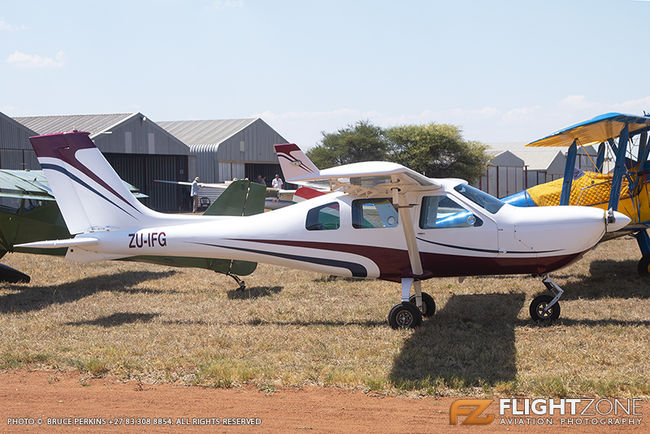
{"points": [[64, 146], [286, 148]]}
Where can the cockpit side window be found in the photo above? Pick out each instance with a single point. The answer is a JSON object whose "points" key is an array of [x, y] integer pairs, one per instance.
{"points": [[443, 212], [373, 213], [324, 218]]}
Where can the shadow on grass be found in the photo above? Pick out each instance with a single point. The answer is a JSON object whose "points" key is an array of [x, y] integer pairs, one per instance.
{"points": [[608, 278], [254, 292], [117, 319], [584, 322], [332, 278], [469, 343], [29, 298], [258, 322]]}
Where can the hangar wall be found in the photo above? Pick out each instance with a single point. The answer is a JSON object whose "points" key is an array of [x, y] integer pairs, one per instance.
{"points": [[230, 148], [139, 150], [15, 150]]}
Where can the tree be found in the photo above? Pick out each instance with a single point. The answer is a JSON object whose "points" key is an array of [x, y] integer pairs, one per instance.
{"points": [[437, 151], [359, 142]]}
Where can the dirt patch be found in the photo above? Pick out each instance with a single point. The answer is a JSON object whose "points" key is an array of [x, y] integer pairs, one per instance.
{"points": [[65, 397]]}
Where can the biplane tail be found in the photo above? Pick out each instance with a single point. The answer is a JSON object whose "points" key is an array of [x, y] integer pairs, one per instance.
{"points": [[90, 195], [294, 163]]}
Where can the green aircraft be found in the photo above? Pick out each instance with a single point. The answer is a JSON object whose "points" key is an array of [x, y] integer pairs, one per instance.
{"points": [[28, 212]]}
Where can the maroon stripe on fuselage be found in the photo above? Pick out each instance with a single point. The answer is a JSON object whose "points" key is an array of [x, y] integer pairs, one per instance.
{"points": [[394, 263]]}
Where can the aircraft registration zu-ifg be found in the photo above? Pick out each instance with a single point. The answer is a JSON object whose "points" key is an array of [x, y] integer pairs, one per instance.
{"points": [[381, 221]]}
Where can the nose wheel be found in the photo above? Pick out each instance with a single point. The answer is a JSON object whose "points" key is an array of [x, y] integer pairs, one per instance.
{"points": [[545, 308], [539, 311]]}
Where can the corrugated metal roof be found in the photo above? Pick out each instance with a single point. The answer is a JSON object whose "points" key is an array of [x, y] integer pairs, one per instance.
{"points": [[94, 124], [538, 159], [535, 158], [207, 133], [505, 158], [517, 146], [17, 124]]}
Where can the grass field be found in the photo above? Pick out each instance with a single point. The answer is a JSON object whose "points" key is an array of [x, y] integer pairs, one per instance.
{"points": [[291, 328]]}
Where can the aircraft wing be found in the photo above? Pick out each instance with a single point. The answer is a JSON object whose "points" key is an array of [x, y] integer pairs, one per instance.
{"points": [[23, 184], [32, 184], [220, 186], [366, 178], [26, 196], [595, 130], [372, 177]]}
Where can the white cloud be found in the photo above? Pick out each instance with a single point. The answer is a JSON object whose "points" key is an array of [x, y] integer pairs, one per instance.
{"points": [[34, 61], [7, 27]]}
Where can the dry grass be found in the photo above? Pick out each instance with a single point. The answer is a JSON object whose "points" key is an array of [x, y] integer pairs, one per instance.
{"points": [[291, 328]]}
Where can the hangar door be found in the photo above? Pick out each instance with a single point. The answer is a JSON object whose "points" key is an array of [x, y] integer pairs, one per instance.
{"points": [[141, 169], [267, 170]]}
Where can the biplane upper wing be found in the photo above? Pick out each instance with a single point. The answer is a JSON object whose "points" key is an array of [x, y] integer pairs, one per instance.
{"points": [[595, 130]]}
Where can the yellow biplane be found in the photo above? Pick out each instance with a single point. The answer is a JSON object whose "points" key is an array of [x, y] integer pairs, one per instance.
{"points": [[623, 140]]}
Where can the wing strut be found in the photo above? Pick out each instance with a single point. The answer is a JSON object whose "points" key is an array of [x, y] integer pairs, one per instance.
{"points": [[619, 170], [568, 173], [406, 217]]}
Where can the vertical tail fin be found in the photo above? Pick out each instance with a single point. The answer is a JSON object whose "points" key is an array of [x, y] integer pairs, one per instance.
{"points": [[242, 197], [294, 163], [88, 191]]}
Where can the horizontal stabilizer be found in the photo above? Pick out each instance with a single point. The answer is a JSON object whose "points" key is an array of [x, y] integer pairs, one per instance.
{"points": [[306, 193], [55, 244]]}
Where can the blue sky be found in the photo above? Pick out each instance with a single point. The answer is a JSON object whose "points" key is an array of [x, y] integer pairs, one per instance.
{"points": [[504, 71]]}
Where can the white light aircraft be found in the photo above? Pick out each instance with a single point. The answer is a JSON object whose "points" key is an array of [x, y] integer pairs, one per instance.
{"points": [[382, 221]]}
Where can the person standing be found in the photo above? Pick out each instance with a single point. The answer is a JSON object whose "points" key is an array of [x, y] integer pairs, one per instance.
{"points": [[194, 193], [277, 182]]}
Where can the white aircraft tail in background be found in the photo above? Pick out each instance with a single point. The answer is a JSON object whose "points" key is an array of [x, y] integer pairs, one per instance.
{"points": [[294, 163]]}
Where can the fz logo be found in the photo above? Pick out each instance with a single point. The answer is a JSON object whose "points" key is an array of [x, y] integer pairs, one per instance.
{"points": [[472, 408], [150, 239], [296, 163]]}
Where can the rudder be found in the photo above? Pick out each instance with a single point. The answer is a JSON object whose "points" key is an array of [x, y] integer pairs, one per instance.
{"points": [[294, 163], [88, 191]]}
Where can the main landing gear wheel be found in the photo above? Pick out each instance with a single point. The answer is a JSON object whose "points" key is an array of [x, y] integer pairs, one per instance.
{"points": [[428, 304], [644, 266], [539, 303], [404, 315]]}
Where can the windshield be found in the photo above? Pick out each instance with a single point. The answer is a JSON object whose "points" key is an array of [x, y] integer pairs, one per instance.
{"points": [[490, 203]]}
